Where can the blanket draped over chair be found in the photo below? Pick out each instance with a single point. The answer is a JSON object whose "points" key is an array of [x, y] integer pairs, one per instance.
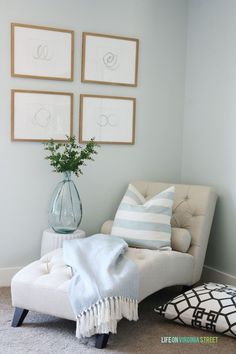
{"points": [[104, 287]]}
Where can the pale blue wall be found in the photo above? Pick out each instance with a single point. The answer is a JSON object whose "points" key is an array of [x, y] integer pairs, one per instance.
{"points": [[209, 144], [26, 181]]}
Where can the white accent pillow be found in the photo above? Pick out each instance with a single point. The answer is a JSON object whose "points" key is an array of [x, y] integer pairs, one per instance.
{"points": [[145, 224], [180, 239]]}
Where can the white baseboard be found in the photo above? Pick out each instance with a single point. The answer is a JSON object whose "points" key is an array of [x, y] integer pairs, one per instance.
{"points": [[210, 274], [6, 275]]}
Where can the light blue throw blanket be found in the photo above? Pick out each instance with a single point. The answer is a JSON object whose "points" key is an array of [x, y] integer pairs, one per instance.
{"points": [[104, 287]]}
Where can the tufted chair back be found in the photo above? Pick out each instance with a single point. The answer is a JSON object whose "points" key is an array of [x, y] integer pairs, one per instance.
{"points": [[193, 210]]}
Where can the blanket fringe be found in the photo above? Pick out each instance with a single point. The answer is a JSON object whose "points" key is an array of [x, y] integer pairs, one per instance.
{"points": [[102, 317]]}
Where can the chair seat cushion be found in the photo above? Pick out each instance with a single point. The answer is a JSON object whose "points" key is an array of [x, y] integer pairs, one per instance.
{"points": [[43, 285], [210, 306]]}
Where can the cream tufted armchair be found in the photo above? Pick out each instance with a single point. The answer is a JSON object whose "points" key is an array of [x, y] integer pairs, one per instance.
{"points": [[42, 286], [193, 211]]}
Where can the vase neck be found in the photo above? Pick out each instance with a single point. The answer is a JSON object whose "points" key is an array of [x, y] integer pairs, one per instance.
{"points": [[67, 175]]}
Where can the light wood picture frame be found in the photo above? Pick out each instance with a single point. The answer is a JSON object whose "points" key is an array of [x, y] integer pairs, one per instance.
{"points": [[42, 52], [41, 115], [111, 60], [108, 119]]}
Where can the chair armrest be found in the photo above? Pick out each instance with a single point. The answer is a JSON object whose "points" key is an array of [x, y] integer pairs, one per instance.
{"points": [[106, 227]]}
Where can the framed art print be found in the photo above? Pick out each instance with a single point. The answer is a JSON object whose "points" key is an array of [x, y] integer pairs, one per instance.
{"points": [[42, 52], [109, 59], [108, 119], [41, 115]]}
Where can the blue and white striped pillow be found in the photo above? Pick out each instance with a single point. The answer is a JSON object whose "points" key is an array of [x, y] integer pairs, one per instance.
{"points": [[142, 223]]}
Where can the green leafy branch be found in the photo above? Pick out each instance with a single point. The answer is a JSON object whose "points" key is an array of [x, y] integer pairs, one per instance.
{"points": [[70, 156]]}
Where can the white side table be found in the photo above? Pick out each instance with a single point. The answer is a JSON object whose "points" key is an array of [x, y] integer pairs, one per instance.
{"points": [[52, 240]]}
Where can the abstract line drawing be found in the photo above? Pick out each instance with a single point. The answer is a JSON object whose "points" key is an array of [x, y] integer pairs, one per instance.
{"points": [[42, 52], [42, 117], [107, 120], [110, 60]]}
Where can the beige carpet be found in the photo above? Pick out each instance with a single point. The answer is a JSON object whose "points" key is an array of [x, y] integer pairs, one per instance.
{"points": [[44, 334]]}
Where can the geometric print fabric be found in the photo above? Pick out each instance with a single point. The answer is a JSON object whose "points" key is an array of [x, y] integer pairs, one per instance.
{"points": [[210, 306]]}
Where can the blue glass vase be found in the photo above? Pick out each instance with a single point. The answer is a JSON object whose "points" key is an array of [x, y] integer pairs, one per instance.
{"points": [[65, 211]]}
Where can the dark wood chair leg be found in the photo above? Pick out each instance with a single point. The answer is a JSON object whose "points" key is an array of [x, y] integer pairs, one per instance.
{"points": [[186, 288], [101, 340], [19, 316]]}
